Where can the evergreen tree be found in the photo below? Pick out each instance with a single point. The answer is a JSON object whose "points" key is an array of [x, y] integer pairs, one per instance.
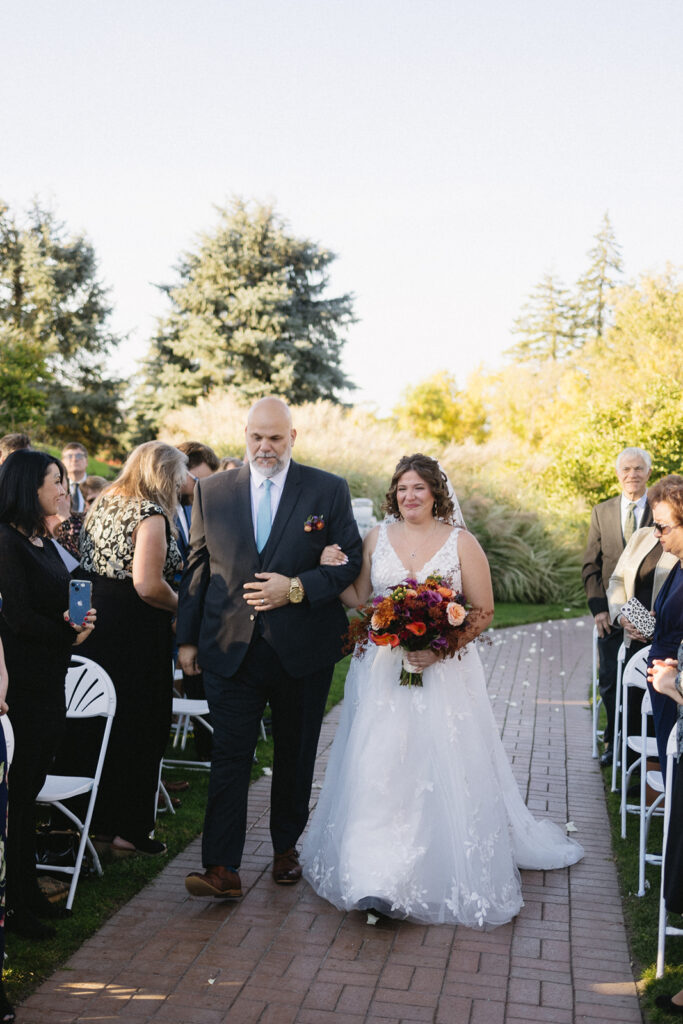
{"points": [[548, 325], [601, 277], [248, 314], [53, 330]]}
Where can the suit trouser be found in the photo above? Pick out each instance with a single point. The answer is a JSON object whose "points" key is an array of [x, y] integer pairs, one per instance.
{"points": [[236, 704], [608, 649]]}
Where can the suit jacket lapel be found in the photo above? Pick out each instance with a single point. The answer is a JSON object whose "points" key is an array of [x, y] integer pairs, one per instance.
{"points": [[290, 496], [616, 521], [243, 517]]}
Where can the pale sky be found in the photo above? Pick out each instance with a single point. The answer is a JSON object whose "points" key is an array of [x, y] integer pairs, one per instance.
{"points": [[450, 152]]}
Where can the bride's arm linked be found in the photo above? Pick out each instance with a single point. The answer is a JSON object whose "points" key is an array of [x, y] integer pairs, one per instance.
{"points": [[358, 593]]}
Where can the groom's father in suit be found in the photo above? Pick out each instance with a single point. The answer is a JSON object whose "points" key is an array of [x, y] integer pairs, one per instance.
{"points": [[613, 522], [262, 618]]}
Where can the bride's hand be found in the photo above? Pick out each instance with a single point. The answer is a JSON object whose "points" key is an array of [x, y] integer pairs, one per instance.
{"points": [[420, 660], [333, 555]]}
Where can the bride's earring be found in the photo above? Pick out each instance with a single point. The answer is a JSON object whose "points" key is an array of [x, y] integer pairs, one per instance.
{"points": [[434, 509]]}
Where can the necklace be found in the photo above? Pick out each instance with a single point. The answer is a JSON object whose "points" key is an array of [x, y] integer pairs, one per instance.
{"points": [[422, 543]]}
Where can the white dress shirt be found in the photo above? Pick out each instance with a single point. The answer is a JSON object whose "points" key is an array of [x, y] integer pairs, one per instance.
{"points": [[637, 511]]}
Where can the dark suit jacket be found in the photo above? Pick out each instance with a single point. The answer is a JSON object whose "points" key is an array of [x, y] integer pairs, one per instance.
{"points": [[212, 612], [603, 550]]}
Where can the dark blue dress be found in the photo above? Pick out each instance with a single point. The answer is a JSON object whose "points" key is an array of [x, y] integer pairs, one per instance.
{"points": [[668, 634]]}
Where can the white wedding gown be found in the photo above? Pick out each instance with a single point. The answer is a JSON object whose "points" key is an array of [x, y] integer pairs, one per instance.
{"points": [[420, 815]]}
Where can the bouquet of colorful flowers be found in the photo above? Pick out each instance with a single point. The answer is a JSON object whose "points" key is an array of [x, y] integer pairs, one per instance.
{"points": [[416, 617]]}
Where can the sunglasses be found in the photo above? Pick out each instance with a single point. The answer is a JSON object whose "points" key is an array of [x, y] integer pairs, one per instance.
{"points": [[663, 528]]}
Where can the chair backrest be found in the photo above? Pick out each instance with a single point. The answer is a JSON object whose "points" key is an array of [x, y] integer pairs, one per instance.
{"points": [[672, 742], [635, 673], [89, 690], [646, 703], [9, 737]]}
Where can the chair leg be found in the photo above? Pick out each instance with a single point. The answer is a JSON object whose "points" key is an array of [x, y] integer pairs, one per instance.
{"points": [[618, 733]]}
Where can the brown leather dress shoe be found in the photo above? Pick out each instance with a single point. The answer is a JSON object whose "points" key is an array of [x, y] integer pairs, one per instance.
{"points": [[216, 882], [286, 867]]}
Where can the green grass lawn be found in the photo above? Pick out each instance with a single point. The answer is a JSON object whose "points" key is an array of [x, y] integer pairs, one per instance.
{"points": [[97, 899]]}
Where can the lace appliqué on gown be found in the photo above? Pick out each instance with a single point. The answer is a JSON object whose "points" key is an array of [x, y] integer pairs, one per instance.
{"points": [[420, 814]]}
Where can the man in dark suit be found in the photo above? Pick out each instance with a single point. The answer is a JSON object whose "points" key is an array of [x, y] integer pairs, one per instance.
{"points": [[612, 525], [262, 618]]}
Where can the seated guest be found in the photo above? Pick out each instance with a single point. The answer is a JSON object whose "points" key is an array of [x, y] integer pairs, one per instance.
{"points": [[38, 640], [666, 501], [129, 550]]}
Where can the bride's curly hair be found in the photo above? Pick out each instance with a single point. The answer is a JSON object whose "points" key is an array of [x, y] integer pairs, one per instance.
{"points": [[433, 476]]}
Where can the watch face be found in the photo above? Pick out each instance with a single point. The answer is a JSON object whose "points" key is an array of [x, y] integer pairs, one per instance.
{"points": [[296, 593]]}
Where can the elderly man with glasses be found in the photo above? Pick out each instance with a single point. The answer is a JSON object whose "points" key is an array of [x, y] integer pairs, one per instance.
{"points": [[613, 523]]}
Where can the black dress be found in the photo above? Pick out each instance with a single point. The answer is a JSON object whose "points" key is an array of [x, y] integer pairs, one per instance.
{"points": [[133, 642], [38, 643]]}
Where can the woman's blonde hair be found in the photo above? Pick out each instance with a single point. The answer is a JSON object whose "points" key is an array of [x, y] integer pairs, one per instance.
{"points": [[153, 471]]}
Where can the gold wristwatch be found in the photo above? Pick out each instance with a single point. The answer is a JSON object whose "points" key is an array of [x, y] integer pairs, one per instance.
{"points": [[296, 590]]}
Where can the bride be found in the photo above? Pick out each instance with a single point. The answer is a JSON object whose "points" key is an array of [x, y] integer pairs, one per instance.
{"points": [[420, 817]]}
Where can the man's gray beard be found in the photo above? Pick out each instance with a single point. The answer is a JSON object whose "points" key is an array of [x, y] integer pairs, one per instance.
{"points": [[267, 471]]}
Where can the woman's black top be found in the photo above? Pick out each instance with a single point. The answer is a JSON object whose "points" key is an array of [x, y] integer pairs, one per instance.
{"points": [[38, 643]]}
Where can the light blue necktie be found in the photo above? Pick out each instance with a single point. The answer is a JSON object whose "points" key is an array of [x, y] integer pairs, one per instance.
{"points": [[263, 517]]}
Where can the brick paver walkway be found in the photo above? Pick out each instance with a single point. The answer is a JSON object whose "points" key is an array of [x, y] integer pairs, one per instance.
{"points": [[282, 955]]}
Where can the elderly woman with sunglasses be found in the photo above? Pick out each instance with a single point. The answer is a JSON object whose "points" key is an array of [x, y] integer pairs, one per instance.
{"points": [[666, 501]]}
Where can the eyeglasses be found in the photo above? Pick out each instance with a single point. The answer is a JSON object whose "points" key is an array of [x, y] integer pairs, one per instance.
{"points": [[75, 456], [664, 528]]}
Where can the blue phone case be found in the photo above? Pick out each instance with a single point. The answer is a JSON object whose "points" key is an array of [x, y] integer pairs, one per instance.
{"points": [[79, 600]]}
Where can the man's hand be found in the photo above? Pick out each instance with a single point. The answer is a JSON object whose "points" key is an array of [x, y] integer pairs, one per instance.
{"points": [[270, 591], [603, 624], [187, 659]]}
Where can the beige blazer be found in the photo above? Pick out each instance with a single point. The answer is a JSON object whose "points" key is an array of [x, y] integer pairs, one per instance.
{"points": [[623, 580]]}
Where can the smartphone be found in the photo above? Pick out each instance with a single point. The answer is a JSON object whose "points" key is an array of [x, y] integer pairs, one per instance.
{"points": [[80, 600]]}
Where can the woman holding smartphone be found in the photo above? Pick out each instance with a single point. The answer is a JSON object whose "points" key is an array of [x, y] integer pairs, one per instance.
{"points": [[38, 640]]}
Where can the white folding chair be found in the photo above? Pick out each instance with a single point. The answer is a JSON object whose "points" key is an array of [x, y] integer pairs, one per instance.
{"points": [[89, 693], [634, 674], [654, 780], [597, 699], [9, 737], [616, 725], [188, 710], [665, 929]]}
